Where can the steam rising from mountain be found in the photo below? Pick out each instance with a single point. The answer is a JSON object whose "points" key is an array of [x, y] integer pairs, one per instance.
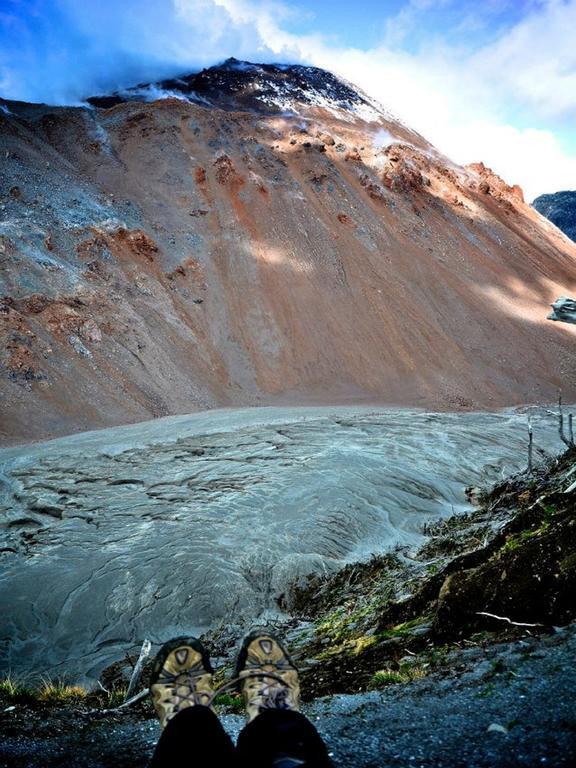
{"points": [[477, 79], [87, 48]]}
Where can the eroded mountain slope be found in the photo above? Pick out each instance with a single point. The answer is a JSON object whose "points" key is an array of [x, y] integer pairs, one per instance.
{"points": [[170, 256]]}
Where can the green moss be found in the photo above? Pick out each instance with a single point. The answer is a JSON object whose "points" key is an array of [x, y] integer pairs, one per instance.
{"points": [[549, 509], [437, 654], [361, 644], [518, 539], [404, 629], [348, 622], [568, 565], [229, 702]]}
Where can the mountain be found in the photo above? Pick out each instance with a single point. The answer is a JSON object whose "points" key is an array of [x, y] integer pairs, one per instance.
{"points": [[560, 208], [241, 85], [261, 234]]}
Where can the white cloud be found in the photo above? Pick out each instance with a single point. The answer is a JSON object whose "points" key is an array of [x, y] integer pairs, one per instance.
{"points": [[532, 158], [465, 102], [535, 61]]}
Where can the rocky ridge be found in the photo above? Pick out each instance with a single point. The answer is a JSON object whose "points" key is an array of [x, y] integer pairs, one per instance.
{"points": [[560, 208]]}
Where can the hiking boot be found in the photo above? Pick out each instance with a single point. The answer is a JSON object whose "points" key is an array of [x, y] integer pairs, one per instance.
{"points": [[267, 677], [181, 677]]}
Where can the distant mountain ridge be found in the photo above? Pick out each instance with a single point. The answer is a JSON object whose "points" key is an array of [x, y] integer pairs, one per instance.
{"points": [[560, 208]]}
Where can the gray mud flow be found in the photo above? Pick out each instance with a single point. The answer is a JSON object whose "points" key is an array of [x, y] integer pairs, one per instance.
{"points": [[169, 526]]}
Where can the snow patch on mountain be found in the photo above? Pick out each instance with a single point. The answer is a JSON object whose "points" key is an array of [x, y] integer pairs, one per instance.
{"points": [[243, 85]]}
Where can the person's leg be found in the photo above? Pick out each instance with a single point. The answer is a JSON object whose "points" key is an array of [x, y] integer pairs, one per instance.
{"points": [[277, 735], [182, 694], [194, 737], [281, 738]]}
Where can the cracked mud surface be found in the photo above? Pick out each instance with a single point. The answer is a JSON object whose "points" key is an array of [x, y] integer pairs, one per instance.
{"points": [[173, 525]]}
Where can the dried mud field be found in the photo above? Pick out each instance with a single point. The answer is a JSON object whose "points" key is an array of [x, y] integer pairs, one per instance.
{"points": [[175, 525]]}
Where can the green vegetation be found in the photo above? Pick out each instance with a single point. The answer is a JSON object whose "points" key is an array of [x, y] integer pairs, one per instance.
{"points": [[517, 540], [387, 677], [370, 616], [405, 629], [11, 690], [112, 699], [229, 702], [57, 693], [406, 673]]}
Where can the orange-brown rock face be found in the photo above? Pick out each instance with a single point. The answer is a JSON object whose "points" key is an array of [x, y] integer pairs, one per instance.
{"points": [[165, 257]]}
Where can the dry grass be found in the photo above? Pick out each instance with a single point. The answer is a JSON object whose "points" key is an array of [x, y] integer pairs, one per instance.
{"points": [[14, 690], [58, 692], [405, 674]]}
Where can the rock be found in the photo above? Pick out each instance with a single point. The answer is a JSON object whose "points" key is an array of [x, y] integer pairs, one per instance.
{"points": [[473, 494], [491, 184], [564, 310], [89, 331], [327, 139], [78, 346], [225, 171], [496, 728], [139, 243], [46, 506], [560, 209]]}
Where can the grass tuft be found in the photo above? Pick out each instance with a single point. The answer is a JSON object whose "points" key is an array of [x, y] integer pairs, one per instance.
{"points": [[406, 673], [112, 699], [58, 692], [13, 690]]}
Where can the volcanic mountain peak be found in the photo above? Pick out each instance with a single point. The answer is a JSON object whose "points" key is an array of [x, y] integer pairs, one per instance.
{"points": [[243, 85]]}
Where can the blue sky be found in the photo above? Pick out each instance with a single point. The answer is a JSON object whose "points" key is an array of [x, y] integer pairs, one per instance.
{"points": [[491, 80], [366, 24]]}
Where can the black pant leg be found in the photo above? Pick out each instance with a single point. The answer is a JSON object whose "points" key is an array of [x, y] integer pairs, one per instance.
{"points": [[279, 733], [194, 737]]}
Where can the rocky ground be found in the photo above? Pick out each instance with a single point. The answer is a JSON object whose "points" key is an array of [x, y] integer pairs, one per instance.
{"points": [[414, 666], [509, 704]]}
